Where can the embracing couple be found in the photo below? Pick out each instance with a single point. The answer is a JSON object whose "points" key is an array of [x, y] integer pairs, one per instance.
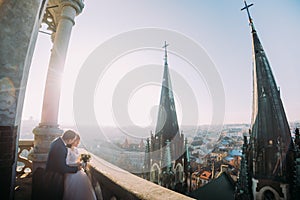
{"points": [[63, 159]]}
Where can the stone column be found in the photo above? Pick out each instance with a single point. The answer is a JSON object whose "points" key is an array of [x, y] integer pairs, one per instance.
{"points": [[285, 191], [254, 186], [19, 22], [48, 129]]}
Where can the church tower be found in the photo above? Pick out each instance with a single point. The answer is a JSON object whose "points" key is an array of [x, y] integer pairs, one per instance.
{"points": [[269, 153], [167, 124], [167, 144]]}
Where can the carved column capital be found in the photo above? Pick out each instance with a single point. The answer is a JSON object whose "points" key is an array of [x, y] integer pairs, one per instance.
{"points": [[55, 12], [78, 5]]}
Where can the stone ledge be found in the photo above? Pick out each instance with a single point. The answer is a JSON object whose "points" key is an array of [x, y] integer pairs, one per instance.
{"points": [[137, 187]]}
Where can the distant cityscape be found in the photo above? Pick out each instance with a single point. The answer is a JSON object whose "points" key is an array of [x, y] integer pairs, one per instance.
{"points": [[209, 156]]}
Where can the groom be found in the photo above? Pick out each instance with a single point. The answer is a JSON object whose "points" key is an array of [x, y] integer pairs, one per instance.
{"points": [[56, 166], [58, 152]]}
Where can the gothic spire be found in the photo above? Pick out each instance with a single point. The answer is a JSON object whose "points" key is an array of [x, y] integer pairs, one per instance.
{"points": [[167, 124], [243, 189], [187, 152], [187, 156], [147, 161], [167, 158], [166, 52], [270, 129]]}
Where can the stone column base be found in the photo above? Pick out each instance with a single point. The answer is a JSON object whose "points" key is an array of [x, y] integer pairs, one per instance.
{"points": [[43, 136]]}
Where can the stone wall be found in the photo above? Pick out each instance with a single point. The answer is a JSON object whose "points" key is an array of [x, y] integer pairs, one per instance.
{"points": [[19, 22]]}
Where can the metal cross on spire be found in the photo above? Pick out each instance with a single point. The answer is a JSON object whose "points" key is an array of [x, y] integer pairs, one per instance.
{"points": [[166, 55], [247, 8]]}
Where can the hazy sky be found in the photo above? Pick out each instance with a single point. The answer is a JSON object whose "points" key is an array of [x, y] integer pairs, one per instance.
{"points": [[219, 27]]}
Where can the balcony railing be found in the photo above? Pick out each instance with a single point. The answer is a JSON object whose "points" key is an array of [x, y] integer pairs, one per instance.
{"points": [[24, 165], [109, 181], [24, 169]]}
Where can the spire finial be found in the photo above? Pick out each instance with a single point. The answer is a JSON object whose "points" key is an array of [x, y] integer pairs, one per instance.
{"points": [[166, 53], [247, 8]]}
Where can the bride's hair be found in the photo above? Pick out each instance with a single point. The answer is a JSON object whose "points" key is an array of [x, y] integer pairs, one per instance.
{"points": [[77, 138]]}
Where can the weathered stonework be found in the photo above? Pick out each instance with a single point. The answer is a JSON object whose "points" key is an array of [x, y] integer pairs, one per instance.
{"points": [[19, 22]]}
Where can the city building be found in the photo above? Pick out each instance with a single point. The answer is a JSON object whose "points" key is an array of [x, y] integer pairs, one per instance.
{"points": [[269, 153], [167, 156]]}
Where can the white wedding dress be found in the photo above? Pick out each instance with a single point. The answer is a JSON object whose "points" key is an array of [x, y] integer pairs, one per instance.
{"points": [[77, 186]]}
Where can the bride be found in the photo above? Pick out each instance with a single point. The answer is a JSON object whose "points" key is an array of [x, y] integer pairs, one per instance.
{"points": [[77, 185]]}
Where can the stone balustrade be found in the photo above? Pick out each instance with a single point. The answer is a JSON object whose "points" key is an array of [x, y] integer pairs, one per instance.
{"points": [[24, 164]]}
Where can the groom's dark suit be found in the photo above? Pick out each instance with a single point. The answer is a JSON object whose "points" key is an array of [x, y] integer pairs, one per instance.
{"points": [[57, 158], [49, 184]]}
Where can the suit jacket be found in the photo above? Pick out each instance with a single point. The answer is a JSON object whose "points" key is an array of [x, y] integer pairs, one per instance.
{"points": [[56, 161]]}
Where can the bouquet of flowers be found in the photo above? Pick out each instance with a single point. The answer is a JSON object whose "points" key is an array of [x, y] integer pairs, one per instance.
{"points": [[85, 158]]}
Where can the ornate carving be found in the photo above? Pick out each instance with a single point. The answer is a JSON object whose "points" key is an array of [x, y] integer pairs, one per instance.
{"points": [[24, 164], [54, 10], [49, 19]]}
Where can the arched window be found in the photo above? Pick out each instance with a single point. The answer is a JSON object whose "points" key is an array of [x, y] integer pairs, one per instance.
{"points": [[268, 195], [179, 173], [154, 175]]}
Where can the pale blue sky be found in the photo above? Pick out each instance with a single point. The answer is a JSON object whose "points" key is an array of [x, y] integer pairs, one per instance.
{"points": [[218, 26]]}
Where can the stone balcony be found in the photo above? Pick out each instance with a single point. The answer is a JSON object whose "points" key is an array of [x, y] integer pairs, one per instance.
{"points": [[109, 181]]}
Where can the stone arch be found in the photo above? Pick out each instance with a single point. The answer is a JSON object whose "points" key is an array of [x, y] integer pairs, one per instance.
{"points": [[267, 189], [155, 173], [179, 171]]}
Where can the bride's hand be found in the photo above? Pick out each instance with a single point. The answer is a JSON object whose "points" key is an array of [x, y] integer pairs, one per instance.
{"points": [[79, 166]]}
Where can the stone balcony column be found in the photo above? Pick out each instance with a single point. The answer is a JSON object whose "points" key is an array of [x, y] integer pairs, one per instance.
{"points": [[48, 129], [19, 24]]}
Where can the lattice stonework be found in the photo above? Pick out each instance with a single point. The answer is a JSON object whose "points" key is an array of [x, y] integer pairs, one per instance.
{"points": [[24, 165]]}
